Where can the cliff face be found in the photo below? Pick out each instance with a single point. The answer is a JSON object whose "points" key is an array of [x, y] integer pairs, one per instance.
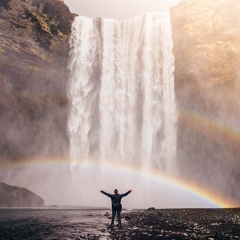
{"points": [[207, 78], [34, 52], [206, 36], [11, 196]]}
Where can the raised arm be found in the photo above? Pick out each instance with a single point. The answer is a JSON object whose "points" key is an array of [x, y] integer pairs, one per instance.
{"points": [[105, 193], [125, 194]]}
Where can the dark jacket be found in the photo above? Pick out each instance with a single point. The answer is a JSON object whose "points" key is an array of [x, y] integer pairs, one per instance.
{"points": [[116, 199]]}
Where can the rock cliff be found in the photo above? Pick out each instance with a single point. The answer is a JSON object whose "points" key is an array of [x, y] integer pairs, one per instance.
{"points": [[207, 78], [34, 51], [206, 36], [11, 196]]}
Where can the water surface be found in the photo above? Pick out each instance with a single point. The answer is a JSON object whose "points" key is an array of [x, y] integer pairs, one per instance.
{"points": [[53, 223]]}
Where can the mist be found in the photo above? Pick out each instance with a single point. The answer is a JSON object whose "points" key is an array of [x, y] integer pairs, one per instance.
{"points": [[81, 188], [118, 9], [208, 130], [36, 108]]}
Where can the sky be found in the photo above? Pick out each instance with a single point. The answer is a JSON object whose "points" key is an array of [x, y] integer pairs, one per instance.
{"points": [[118, 9]]}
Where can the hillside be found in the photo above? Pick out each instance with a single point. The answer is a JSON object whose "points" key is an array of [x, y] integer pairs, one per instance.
{"points": [[12, 196]]}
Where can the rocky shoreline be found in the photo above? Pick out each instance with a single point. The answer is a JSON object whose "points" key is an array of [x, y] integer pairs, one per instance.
{"points": [[77, 224], [180, 224]]}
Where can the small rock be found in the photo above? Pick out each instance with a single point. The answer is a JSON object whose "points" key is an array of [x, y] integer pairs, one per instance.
{"points": [[92, 237], [151, 208], [214, 224], [106, 214]]}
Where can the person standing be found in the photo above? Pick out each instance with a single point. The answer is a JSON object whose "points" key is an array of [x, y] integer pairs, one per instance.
{"points": [[116, 204]]}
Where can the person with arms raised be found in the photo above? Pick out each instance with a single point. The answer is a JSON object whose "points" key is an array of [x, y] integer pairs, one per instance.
{"points": [[116, 204]]}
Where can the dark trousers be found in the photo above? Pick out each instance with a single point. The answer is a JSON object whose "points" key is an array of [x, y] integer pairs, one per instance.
{"points": [[114, 214]]}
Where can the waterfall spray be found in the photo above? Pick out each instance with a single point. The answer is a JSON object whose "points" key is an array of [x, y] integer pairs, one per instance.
{"points": [[121, 91]]}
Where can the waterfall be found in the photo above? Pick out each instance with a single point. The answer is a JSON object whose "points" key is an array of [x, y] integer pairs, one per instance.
{"points": [[121, 91]]}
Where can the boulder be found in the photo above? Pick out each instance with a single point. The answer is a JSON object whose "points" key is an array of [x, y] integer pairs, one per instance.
{"points": [[151, 208]]}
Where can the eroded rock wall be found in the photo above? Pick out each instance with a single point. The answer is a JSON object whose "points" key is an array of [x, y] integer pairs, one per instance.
{"points": [[34, 52], [207, 78]]}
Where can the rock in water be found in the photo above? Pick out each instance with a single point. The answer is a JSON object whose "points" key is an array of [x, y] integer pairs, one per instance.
{"points": [[12, 196]]}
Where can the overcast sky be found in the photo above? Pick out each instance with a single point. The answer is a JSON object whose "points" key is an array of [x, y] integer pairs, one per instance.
{"points": [[120, 9]]}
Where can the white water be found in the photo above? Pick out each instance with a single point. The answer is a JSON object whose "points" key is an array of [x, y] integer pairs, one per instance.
{"points": [[122, 91]]}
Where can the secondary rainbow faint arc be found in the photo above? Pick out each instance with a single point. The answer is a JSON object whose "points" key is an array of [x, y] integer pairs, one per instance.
{"points": [[155, 175], [210, 124]]}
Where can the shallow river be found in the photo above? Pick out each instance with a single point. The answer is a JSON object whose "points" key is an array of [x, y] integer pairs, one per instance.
{"points": [[53, 224]]}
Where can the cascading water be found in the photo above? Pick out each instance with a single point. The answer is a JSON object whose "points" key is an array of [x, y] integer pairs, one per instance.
{"points": [[122, 91]]}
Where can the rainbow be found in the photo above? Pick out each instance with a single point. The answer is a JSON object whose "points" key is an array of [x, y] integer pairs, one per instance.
{"points": [[210, 125], [113, 167]]}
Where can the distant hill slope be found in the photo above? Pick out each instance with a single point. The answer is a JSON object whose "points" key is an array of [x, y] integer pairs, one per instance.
{"points": [[12, 196]]}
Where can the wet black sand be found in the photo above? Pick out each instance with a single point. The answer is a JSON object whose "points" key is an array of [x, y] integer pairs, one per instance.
{"points": [[53, 224], [183, 224]]}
